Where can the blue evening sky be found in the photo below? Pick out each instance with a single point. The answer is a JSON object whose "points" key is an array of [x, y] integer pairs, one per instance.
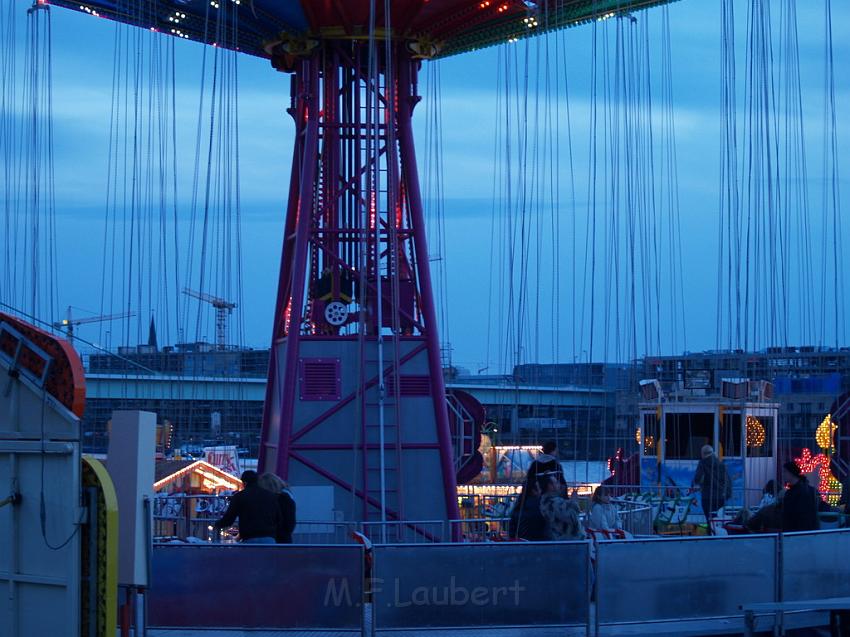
{"points": [[476, 291]]}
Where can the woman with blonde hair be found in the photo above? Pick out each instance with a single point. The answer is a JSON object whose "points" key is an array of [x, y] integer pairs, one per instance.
{"points": [[286, 504]]}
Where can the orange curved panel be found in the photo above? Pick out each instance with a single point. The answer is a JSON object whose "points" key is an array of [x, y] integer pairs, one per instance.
{"points": [[66, 380]]}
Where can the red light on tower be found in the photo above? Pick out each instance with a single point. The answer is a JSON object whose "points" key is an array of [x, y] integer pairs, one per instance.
{"points": [[287, 313]]}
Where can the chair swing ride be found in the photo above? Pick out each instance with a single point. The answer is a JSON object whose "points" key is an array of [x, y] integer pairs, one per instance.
{"points": [[356, 404]]}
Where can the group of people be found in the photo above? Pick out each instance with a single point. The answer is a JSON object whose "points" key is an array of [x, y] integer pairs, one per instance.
{"points": [[792, 509], [544, 511], [265, 509]]}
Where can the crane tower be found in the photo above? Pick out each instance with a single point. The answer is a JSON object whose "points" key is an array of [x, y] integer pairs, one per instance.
{"points": [[223, 309]]}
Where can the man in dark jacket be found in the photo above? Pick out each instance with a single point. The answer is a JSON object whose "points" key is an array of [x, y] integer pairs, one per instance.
{"points": [[714, 483], [257, 510], [800, 504]]}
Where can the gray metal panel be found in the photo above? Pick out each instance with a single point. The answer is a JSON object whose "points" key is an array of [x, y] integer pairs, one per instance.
{"points": [[27, 414], [39, 558], [652, 580], [423, 500], [281, 587], [481, 585], [34, 576], [815, 565], [348, 417], [422, 492]]}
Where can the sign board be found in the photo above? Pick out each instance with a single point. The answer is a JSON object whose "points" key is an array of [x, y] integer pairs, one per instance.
{"points": [[225, 457]]}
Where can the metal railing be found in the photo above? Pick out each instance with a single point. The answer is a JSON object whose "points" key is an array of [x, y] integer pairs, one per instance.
{"points": [[187, 516], [481, 529], [190, 518], [636, 517], [539, 587]]}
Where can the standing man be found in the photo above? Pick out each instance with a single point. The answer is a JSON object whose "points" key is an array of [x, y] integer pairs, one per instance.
{"points": [[714, 483], [257, 510]]}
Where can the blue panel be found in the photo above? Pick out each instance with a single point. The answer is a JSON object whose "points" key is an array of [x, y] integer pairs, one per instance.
{"points": [[816, 565], [291, 586], [693, 578], [821, 384], [735, 467], [648, 472], [481, 586], [679, 473]]}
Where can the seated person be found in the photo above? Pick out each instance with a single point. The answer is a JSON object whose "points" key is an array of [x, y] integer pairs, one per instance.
{"points": [[766, 519], [561, 513], [527, 522], [603, 514], [769, 496]]}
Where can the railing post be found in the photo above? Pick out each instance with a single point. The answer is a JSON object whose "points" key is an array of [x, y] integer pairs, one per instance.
{"points": [[591, 585], [749, 623], [779, 621]]}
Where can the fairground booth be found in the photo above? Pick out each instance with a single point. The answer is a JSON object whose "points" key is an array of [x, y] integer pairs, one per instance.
{"points": [[740, 424]]}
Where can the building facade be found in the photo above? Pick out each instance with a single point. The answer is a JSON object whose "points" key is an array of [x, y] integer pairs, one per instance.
{"points": [[806, 382], [213, 397]]}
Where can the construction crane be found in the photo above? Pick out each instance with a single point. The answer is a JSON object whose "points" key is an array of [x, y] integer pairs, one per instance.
{"points": [[69, 323], [222, 309]]}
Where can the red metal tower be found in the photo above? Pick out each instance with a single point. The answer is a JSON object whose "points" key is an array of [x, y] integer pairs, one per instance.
{"points": [[356, 396]]}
